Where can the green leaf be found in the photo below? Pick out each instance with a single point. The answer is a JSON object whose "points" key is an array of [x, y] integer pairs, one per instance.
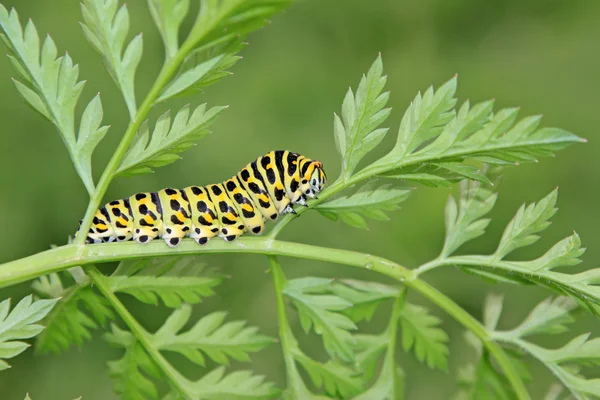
{"points": [[357, 133], [388, 386], [336, 379], [78, 311], [364, 297], [168, 139], [221, 22], [522, 229], [237, 385], [370, 201], [173, 280], [421, 330], [436, 146], [168, 16], [106, 26], [424, 119], [323, 311], [583, 286], [480, 378], [465, 123], [442, 174], [133, 371], [49, 84], [210, 336], [369, 349], [492, 310], [464, 220], [549, 317], [20, 323], [201, 69], [90, 134], [213, 41]]}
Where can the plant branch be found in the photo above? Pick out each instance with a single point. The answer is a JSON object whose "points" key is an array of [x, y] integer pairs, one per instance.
{"points": [[71, 255], [99, 280], [288, 341]]}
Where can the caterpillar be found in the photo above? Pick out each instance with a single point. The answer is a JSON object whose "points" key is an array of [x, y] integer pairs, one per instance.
{"points": [[262, 190]]}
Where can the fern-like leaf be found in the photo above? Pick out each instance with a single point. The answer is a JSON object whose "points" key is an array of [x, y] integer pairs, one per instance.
{"points": [[357, 133], [20, 323], [441, 174], [583, 286], [370, 201], [78, 311], [421, 330], [173, 280], [365, 297], [322, 311], [424, 119], [214, 40], [388, 386], [105, 26], [238, 385], [49, 85], [464, 220], [210, 336], [133, 371], [480, 378], [168, 16], [168, 138], [522, 229], [336, 379], [550, 317], [201, 69]]}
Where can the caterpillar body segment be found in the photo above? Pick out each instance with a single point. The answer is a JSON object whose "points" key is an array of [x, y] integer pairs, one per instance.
{"points": [[261, 191]]}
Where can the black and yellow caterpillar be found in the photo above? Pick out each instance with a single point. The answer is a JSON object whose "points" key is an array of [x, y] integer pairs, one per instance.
{"points": [[262, 190]]}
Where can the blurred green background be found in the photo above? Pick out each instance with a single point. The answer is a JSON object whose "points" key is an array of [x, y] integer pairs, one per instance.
{"points": [[542, 55]]}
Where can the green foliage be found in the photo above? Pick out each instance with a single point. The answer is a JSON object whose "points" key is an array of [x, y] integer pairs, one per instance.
{"points": [[173, 280], [321, 310], [20, 323], [211, 336], [364, 296], [49, 85], [202, 68], [336, 379], [464, 221], [168, 16], [142, 361], [78, 311], [133, 371], [167, 139], [522, 229], [237, 385], [106, 26], [467, 223], [214, 41], [566, 362], [421, 331], [481, 378], [370, 201], [436, 146], [356, 132]]}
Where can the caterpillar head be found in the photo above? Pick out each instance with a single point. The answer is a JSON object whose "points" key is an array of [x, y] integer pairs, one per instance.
{"points": [[314, 180]]}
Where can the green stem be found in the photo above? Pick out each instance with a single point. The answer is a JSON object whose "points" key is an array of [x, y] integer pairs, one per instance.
{"points": [[288, 341], [71, 255], [99, 280]]}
